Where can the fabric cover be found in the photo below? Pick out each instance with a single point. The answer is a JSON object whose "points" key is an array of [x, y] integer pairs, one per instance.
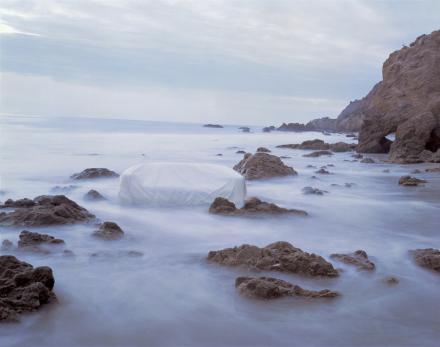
{"points": [[184, 184]]}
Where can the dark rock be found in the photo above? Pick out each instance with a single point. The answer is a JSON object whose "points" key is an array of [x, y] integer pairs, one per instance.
{"points": [[315, 144], [7, 245], [367, 161], [32, 239], [268, 129], [219, 155], [263, 149], [311, 166], [358, 259], [109, 231], [63, 189], [292, 127], [285, 157], [240, 152], [314, 191], [272, 288], [93, 195], [351, 135], [279, 256], [433, 169], [317, 154], [386, 171], [262, 165], [410, 181], [390, 280], [245, 129], [47, 210], [18, 203], [252, 206], [213, 126], [23, 288], [342, 147], [322, 171], [416, 171], [94, 173], [428, 258]]}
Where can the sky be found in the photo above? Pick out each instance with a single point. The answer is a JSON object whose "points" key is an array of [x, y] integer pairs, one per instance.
{"points": [[223, 61]]}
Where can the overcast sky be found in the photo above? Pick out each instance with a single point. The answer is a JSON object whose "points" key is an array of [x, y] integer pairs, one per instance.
{"points": [[227, 61]]}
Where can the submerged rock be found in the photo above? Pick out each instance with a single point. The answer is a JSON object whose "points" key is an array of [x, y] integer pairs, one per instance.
{"points": [[410, 181], [433, 169], [322, 171], [213, 126], [28, 239], [317, 154], [109, 231], [279, 256], [240, 152], [94, 173], [313, 191], [23, 288], [428, 258], [263, 149], [245, 129], [46, 210], [391, 280], [359, 259], [268, 129], [252, 206], [7, 245], [272, 288], [367, 161], [262, 165], [93, 195]]}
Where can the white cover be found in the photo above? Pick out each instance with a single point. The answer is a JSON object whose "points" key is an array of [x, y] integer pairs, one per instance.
{"points": [[187, 184]]}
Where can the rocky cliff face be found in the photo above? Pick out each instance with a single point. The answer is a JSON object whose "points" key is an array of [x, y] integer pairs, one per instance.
{"points": [[406, 102]]}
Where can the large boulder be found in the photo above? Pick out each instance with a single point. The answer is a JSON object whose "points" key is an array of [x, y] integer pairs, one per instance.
{"points": [[28, 239], [406, 102], [23, 288], [109, 231], [91, 173], [45, 210], [279, 256], [262, 165], [428, 258]]}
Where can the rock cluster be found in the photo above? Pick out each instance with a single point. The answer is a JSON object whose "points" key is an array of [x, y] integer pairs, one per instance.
{"points": [[262, 165], [358, 258], [91, 173]]}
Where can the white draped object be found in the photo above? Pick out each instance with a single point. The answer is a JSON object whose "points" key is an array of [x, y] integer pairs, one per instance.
{"points": [[183, 184]]}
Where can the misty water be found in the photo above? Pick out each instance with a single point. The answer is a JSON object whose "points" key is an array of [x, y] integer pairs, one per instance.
{"points": [[170, 296]]}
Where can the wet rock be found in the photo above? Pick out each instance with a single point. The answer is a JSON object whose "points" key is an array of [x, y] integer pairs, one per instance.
{"points": [[109, 231], [351, 135], [359, 259], [279, 256], [311, 166], [285, 157], [428, 258], [268, 129], [297, 127], [93, 195], [111, 254], [357, 156], [47, 210], [367, 161], [240, 152], [252, 206], [23, 288], [263, 149], [342, 147], [313, 191], [28, 239], [218, 126], [322, 171], [433, 169], [390, 280], [245, 129], [272, 288], [349, 185], [416, 171], [7, 245], [317, 154], [92, 173], [262, 165], [219, 155], [18, 203], [410, 181]]}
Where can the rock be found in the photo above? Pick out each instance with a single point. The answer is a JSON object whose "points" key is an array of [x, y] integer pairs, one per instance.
{"points": [[433, 169], [311, 166], [268, 129], [317, 154], [262, 165], [292, 127], [406, 102], [245, 129], [240, 152], [386, 171], [63, 189], [272, 288], [315, 144], [367, 161], [93, 195], [314, 191], [428, 258], [47, 210], [342, 147], [279, 256], [29, 240], [410, 181], [94, 173], [322, 171], [109, 231], [23, 288], [351, 135], [348, 185], [357, 156], [18, 203], [324, 124], [263, 149], [252, 206], [359, 259], [416, 171], [285, 157], [7, 245], [219, 155], [390, 280], [213, 126]]}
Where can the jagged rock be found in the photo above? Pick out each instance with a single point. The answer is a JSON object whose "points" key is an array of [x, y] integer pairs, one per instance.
{"points": [[322, 171], [406, 102], [410, 181], [18, 203], [433, 169], [28, 239], [292, 127], [252, 206], [428, 258], [272, 288], [213, 126], [323, 124], [109, 231], [367, 161], [94, 173], [262, 165], [268, 129], [23, 288], [47, 210], [315, 144], [317, 154], [93, 195], [263, 149], [342, 147], [313, 191], [279, 256], [359, 259]]}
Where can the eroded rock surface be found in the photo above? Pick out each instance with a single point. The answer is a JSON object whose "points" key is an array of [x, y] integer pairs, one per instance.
{"points": [[358, 258], [109, 231], [262, 165], [428, 258], [92, 173], [410, 181], [279, 256]]}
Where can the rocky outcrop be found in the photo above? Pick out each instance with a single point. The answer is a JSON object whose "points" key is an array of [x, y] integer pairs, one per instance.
{"points": [[433, 169], [245, 129], [28, 239], [262, 165], [358, 258], [292, 127], [428, 258], [45, 210], [263, 150], [213, 126], [367, 161], [252, 206], [268, 129], [92, 173], [342, 147], [318, 144], [109, 231], [279, 256], [93, 195], [23, 288], [406, 102], [316, 154], [410, 181], [273, 288]]}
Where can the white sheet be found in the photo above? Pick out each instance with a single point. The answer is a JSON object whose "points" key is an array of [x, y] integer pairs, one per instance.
{"points": [[184, 184]]}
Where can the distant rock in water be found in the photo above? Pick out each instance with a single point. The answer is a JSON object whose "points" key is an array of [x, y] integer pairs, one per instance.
{"points": [[93, 195], [109, 231], [23, 288], [245, 129], [252, 206], [428, 258], [268, 129], [273, 288], [279, 256], [262, 165], [28, 239], [313, 191], [292, 127], [263, 150], [358, 259], [367, 161], [213, 126], [318, 144], [94, 173], [317, 154], [410, 181], [44, 210]]}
